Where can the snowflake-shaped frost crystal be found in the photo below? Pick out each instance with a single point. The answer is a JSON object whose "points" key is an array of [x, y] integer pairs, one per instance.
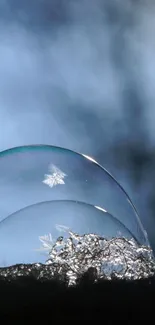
{"points": [[47, 242], [56, 177]]}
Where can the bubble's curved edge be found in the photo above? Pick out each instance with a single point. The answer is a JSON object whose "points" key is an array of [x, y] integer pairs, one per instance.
{"points": [[48, 146], [69, 201], [147, 243]]}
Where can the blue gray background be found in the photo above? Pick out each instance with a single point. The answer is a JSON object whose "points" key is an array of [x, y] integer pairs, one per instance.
{"points": [[81, 74]]}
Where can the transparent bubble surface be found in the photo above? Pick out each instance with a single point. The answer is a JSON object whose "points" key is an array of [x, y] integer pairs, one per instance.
{"points": [[28, 235], [33, 174]]}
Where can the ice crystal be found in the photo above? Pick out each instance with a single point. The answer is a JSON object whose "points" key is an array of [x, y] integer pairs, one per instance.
{"points": [[55, 177], [104, 258]]}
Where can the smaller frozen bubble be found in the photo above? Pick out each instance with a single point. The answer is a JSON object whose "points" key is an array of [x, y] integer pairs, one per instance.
{"points": [[23, 233]]}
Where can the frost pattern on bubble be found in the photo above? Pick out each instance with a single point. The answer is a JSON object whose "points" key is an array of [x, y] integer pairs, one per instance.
{"points": [[47, 242], [55, 177], [108, 258]]}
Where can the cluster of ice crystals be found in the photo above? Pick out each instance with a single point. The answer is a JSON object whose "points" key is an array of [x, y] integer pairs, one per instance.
{"points": [[101, 258]]}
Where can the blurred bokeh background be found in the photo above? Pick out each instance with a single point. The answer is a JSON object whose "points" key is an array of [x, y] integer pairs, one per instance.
{"points": [[81, 74]]}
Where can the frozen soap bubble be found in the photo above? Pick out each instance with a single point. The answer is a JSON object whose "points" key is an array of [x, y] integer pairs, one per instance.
{"points": [[34, 174], [28, 235]]}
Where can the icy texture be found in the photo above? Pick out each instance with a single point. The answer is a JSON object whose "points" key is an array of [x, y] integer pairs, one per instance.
{"points": [[102, 258], [72, 257]]}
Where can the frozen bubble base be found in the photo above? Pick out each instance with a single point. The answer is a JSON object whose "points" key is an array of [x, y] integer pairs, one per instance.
{"points": [[74, 256]]}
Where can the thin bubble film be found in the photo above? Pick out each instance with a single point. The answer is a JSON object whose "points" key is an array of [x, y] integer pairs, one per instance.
{"points": [[70, 258], [39, 173]]}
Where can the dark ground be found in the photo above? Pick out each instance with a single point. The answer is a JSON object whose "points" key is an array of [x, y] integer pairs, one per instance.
{"points": [[107, 301]]}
